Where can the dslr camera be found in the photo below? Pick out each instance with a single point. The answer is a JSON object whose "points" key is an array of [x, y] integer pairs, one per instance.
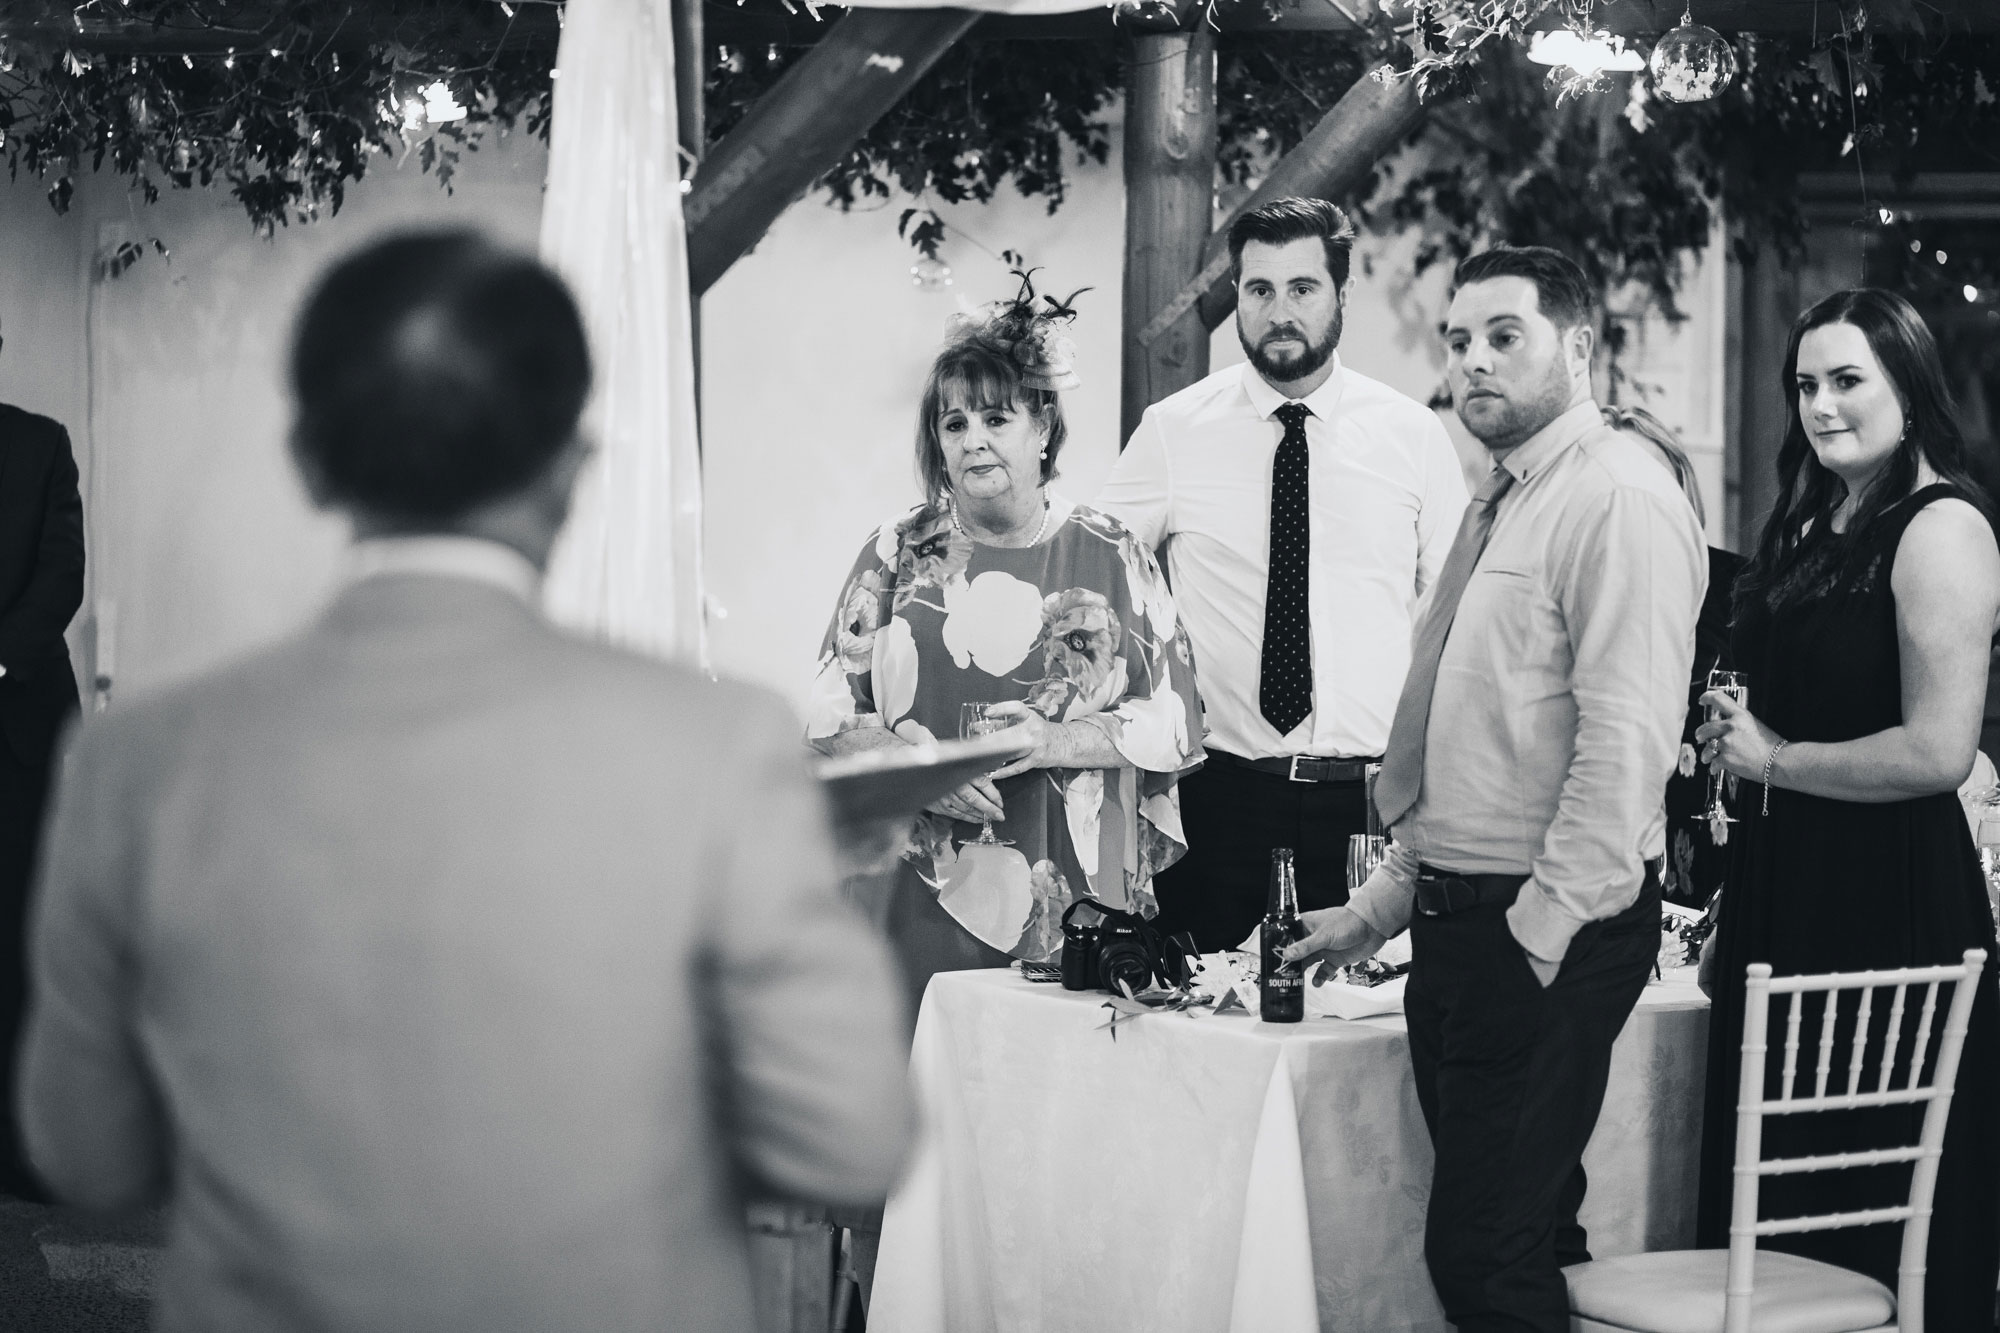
{"points": [[1108, 950]]}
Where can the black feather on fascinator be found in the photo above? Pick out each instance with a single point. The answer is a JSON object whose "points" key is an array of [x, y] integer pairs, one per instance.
{"points": [[1028, 330]]}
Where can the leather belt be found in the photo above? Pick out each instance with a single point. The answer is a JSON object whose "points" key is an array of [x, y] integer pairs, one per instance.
{"points": [[1300, 767], [1441, 892]]}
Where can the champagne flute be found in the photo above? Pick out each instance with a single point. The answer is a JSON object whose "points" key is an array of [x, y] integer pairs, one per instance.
{"points": [[1988, 838], [978, 720], [1364, 853], [1733, 685]]}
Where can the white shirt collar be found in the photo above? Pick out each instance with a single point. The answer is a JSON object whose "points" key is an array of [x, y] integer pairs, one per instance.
{"points": [[472, 558], [1267, 400], [1538, 450]]}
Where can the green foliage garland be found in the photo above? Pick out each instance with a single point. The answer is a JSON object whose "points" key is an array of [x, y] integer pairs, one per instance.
{"points": [[313, 89], [286, 120]]}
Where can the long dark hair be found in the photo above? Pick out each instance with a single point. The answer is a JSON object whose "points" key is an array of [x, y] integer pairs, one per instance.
{"points": [[1808, 494]]}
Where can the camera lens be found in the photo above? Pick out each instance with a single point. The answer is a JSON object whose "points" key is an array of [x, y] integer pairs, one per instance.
{"points": [[1123, 958]]}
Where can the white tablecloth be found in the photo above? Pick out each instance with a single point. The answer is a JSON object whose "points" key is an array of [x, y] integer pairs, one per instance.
{"points": [[1216, 1172]]}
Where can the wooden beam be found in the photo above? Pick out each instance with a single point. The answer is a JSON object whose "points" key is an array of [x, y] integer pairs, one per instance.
{"points": [[800, 128], [1170, 138], [1367, 124]]}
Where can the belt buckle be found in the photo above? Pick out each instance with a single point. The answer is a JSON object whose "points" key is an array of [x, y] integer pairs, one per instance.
{"points": [[1446, 890], [1294, 773]]}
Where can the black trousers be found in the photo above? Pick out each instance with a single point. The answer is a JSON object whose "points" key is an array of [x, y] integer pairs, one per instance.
{"points": [[1233, 817], [24, 790], [1511, 1077]]}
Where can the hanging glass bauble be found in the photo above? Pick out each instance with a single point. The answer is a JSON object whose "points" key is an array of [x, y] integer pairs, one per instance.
{"points": [[1146, 15], [1692, 63], [930, 274]]}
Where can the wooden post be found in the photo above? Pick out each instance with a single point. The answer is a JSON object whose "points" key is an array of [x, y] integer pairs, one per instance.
{"points": [[1169, 209], [800, 128], [691, 115], [690, 77]]}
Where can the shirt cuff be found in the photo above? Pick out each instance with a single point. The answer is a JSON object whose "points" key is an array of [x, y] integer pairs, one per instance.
{"points": [[1387, 900], [1539, 925]]}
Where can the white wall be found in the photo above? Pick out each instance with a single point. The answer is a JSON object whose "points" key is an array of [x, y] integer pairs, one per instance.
{"points": [[814, 350], [170, 378]]}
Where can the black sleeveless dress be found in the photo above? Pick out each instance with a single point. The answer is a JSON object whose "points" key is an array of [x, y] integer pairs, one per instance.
{"points": [[1839, 886]]}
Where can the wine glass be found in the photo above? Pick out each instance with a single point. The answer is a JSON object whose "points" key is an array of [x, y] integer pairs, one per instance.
{"points": [[1988, 837], [1733, 685], [979, 720], [1364, 853]]}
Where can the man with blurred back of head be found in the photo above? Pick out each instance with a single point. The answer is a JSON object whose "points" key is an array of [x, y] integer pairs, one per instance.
{"points": [[432, 966], [1523, 785]]}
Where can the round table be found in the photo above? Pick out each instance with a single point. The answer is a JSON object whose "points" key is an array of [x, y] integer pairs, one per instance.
{"points": [[1207, 1172]]}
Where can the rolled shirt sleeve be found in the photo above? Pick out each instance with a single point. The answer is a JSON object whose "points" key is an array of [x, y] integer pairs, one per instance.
{"points": [[1388, 899], [1629, 590]]}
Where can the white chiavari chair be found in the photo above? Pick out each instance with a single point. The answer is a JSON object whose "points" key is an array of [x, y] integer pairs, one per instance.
{"points": [[1745, 1290]]}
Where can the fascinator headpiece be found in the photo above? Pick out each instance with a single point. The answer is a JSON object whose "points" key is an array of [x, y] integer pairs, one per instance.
{"points": [[1029, 330]]}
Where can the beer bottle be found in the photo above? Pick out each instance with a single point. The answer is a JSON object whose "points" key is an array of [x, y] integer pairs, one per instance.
{"points": [[1281, 988]]}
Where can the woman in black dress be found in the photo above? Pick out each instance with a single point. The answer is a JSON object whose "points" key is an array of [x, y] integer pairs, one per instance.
{"points": [[1864, 621]]}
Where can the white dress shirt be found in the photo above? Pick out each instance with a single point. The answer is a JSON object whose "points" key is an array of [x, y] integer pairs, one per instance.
{"points": [[443, 555], [1386, 493], [1560, 696]]}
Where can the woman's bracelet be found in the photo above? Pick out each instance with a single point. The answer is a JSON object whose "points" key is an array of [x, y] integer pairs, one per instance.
{"points": [[1769, 760]]}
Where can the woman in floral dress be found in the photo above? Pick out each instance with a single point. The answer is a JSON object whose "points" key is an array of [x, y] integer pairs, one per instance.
{"points": [[995, 591]]}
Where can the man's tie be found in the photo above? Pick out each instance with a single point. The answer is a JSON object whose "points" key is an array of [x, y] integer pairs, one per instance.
{"points": [[1284, 682], [1402, 775]]}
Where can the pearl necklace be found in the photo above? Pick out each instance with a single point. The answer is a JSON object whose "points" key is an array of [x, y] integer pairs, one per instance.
{"points": [[1036, 540]]}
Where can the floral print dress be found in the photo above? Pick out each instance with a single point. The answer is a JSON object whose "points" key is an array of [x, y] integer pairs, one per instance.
{"points": [[1079, 627]]}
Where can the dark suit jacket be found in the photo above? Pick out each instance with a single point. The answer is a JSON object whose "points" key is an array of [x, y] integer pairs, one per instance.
{"points": [[41, 580]]}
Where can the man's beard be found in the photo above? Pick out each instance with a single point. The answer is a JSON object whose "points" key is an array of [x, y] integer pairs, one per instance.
{"points": [[1299, 365]]}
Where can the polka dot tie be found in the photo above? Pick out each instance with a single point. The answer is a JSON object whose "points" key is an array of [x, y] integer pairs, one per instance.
{"points": [[1284, 684]]}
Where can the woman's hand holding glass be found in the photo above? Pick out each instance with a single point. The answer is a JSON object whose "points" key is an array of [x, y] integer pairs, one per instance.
{"points": [[1733, 741], [975, 801], [983, 719], [1045, 735]]}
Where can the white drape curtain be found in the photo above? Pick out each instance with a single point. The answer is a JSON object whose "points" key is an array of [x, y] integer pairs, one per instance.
{"points": [[628, 567]]}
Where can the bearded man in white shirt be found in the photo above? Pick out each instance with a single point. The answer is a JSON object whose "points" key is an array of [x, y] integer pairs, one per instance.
{"points": [[1523, 786], [1301, 511]]}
